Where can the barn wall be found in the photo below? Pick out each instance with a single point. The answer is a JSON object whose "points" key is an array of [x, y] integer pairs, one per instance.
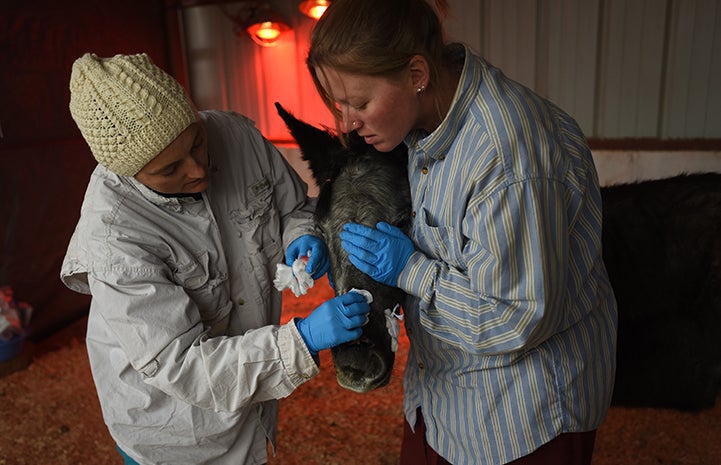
{"points": [[44, 162], [622, 68], [230, 71], [618, 167]]}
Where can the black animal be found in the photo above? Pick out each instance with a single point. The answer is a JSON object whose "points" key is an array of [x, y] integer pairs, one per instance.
{"points": [[361, 185], [662, 249]]}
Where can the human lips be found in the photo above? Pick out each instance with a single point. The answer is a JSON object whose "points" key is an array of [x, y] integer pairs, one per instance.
{"points": [[197, 183], [369, 138]]}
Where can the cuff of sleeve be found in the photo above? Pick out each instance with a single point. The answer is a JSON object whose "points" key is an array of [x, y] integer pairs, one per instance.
{"points": [[418, 275], [301, 223], [298, 362]]}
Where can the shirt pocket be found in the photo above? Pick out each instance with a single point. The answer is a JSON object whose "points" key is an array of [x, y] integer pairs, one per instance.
{"points": [[206, 290], [258, 222], [259, 228], [442, 242]]}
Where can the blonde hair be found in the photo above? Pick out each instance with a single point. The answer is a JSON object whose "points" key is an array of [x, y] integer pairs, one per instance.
{"points": [[376, 38]]}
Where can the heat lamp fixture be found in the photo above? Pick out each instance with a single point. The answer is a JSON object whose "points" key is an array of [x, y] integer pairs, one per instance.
{"points": [[260, 22], [313, 8], [264, 25], [265, 28]]}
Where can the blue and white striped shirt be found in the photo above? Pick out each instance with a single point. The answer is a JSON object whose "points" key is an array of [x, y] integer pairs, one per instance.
{"points": [[511, 317]]}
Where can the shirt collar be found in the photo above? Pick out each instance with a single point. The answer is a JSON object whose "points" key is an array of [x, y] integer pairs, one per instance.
{"points": [[437, 143], [171, 203]]}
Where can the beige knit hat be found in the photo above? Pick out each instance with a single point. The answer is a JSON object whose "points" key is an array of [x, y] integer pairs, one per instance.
{"points": [[127, 109]]}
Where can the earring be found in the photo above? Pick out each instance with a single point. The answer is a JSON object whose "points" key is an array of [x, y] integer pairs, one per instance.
{"points": [[420, 90], [354, 123]]}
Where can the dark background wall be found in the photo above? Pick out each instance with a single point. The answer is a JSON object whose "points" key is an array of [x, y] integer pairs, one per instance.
{"points": [[44, 162]]}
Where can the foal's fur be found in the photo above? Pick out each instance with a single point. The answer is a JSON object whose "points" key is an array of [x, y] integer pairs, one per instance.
{"points": [[662, 249], [361, 185]]}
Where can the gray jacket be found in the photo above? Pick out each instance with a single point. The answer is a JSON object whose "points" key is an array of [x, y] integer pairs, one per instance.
{"points": [[184, 339]]}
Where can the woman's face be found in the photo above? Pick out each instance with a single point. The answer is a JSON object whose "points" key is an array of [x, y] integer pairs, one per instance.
{"points": [[182, 167], [384, 110]]}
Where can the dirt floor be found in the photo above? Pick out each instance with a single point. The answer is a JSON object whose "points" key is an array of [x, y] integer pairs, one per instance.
{"points": [[49, 415]]}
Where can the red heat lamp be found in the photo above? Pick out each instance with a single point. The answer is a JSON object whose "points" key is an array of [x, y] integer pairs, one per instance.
{"points": [[313, 8], [262, 24], [266, 33]]}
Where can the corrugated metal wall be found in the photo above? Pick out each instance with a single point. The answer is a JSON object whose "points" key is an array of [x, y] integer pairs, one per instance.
{"points": [[622, 68]]}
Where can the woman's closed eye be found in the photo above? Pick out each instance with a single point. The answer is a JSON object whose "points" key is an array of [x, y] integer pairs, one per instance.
{"points": [[168, 170], [197, 142]]}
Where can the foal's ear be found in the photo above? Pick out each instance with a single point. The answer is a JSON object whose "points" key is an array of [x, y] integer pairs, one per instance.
{"points": [[321, 148]]}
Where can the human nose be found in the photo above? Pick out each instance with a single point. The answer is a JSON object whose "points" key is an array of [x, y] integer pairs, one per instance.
{"points": [[352, 124], [198, 167]]}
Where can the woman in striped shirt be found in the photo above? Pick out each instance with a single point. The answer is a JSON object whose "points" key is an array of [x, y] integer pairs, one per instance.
{"points": [[510, 315]]}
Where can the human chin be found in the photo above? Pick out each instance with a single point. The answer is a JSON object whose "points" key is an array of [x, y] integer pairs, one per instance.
{"points": [[381, 145]]}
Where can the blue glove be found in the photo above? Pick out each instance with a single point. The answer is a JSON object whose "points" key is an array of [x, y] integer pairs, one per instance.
{"points": [[315, 249], [336, 321], [381, 253]]}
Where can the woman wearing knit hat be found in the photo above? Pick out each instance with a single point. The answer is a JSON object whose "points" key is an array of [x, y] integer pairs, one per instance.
{"points": [[182, 226]]}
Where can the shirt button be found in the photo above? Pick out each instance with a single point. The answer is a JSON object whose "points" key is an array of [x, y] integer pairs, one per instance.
{"points": [[424, 170], [241, 302], [421, 365], [413, 214]]}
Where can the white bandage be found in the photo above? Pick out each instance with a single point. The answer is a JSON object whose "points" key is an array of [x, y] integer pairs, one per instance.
{"points": [[393, 324], [364, 293], [294, 278]]}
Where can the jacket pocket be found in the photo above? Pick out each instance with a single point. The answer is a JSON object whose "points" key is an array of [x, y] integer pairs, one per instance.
{"points": [[258, 225], [258, 222], [207, 291]]}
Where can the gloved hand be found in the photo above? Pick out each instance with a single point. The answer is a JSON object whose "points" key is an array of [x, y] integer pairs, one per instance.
{"points": [[334, 322], [380, 253], [315, 249]]}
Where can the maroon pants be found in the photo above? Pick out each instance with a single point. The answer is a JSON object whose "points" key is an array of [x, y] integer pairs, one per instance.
{"points": [[566, 449]]}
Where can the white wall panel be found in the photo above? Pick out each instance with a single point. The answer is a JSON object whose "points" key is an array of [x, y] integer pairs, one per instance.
{"points": [[510, 36], [542, 44], [465, 23], [631, 69], [622, 68], [571, 36], [693, 86]]}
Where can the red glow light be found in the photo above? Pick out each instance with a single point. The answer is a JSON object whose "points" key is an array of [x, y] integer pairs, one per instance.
{"points": [[266, 33], [313, 8]]}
